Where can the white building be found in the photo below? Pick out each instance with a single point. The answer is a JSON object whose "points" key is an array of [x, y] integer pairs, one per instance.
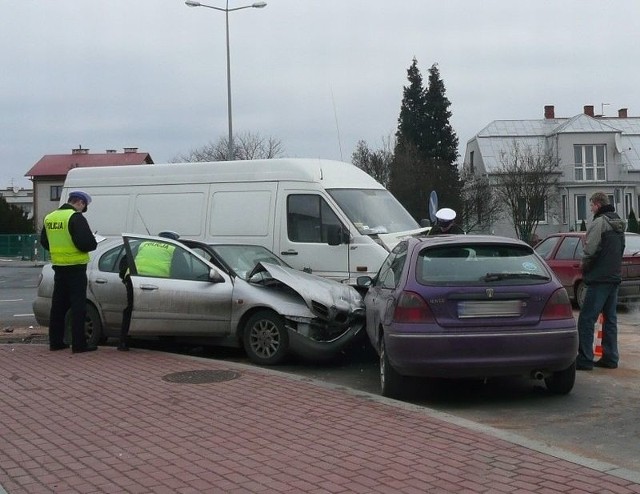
{"points": [[19, 196], [595, 153]]}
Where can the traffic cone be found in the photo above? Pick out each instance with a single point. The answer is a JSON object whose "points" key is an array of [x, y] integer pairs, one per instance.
{"points": [[597, 341]]}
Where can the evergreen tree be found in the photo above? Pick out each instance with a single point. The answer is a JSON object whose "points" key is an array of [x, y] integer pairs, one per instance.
{"points": [[632, 223], [426, 146], [13, 219], [404, 181], [412, 110], [440, 143]]}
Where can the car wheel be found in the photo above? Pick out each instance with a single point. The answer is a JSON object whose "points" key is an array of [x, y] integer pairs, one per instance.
{"points": [[265, 338], [391, 384], [581, 292], [561, 382], [92, 327]]}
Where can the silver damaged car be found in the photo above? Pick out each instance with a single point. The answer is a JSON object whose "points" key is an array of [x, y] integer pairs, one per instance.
{"points": [[229, 295]]}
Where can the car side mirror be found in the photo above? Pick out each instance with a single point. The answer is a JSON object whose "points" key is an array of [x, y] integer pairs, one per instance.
{"points": [[364, 281], [215, 277]]}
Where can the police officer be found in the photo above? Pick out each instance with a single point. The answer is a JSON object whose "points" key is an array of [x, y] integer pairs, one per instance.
{"points": [[68, 238], [445, 224], [151, 259]]}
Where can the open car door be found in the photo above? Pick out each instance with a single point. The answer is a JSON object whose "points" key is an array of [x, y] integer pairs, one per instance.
{"points": [[175, 291]]}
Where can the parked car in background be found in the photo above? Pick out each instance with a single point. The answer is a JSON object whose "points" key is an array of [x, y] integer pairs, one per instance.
{"points": [[231, 295], [469, 306], [563, 253]]}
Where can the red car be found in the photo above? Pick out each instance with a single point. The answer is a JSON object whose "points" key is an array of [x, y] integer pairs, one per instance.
{"points": [[563, 252]]}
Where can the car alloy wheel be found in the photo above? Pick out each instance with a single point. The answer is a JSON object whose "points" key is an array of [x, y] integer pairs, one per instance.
{"points": [[92, 326], [265, 338]]}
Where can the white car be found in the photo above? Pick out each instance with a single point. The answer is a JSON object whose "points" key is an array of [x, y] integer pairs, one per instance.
{"points": [[230, 295]]}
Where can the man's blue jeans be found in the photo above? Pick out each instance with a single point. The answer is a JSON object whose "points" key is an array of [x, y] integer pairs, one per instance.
{"points": [[600, 298]]}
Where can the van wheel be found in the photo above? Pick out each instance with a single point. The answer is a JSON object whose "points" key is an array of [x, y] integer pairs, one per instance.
{"points": [[92, 327], [391, 384], [265, 338], [581, 292], [561, 382]]}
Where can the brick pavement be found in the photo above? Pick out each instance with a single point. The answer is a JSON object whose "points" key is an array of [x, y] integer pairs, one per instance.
{"points": [[107, 422]]}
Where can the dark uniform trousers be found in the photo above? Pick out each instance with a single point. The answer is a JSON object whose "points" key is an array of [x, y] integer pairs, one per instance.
{"points": [[69, 292]]}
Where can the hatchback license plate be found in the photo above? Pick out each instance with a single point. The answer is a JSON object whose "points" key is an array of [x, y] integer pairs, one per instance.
{"points": [[491, 308]]}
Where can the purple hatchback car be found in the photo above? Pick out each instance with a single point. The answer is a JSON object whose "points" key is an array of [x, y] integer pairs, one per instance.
{"points": [[469, 306]]}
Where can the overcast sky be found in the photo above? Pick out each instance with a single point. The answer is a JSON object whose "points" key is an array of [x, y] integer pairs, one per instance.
{"points": [[318, 75]]}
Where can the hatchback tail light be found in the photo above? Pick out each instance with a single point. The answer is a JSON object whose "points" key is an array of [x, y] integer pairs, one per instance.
{"points": [[558, 306], [412, 308]]}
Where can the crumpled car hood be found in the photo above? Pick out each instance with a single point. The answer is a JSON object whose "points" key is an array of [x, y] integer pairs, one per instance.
{"points": [[316, 291], [390, 240]]}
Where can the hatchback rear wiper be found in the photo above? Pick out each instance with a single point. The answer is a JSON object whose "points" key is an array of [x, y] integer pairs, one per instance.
{"points": [[513, 276]]}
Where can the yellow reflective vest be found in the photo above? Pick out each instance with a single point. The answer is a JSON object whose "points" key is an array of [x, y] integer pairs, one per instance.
{"points": [[154, 259], [63, 250]]}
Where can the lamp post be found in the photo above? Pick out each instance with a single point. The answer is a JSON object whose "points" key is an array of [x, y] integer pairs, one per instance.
{"points": [[226, 10]]}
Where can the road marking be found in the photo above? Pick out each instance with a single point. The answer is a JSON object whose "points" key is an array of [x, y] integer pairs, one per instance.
{"points": [[22, 315], [14, 300]]}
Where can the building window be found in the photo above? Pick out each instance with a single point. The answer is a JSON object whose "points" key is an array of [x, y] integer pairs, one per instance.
{"points": [[537, 209], [581, 209], [471, 164], [628, 204], [590, 162], [565, 209], [55, 192]]}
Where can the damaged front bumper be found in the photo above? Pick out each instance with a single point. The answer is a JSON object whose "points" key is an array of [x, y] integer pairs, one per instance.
{"points": [[317, 339]]}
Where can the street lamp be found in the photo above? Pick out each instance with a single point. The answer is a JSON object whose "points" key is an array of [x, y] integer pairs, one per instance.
{"points": [[226, 10]]}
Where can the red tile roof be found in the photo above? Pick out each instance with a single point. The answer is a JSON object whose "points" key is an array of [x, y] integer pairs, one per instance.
{"points": [[60, 164]]}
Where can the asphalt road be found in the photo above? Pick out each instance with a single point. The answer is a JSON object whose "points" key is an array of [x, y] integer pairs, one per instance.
{"points": [[17, 290], [598, 420]]}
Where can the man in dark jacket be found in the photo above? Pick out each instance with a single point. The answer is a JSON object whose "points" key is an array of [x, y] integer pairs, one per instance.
{"points": [[601, 269], [67, 236]]}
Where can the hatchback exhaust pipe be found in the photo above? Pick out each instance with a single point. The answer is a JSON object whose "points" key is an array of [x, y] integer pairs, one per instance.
{"points": [[539, 375]]}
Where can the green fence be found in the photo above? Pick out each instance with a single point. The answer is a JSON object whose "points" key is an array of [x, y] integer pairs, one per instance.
{"points": [[26, 247]]}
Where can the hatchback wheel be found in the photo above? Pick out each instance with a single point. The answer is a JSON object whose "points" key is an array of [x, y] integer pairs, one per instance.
{"points": [[391, 384], [265, 338], [561, 382]]}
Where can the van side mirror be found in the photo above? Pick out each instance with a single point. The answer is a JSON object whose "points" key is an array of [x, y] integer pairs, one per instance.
{"points": [[425, 222], [336, 235]]}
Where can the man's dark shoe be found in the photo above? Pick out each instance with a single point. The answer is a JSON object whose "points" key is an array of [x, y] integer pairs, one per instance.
{"points": [[584, 367], [606, 364], [123, 347], [83, 350], [54, 348]]}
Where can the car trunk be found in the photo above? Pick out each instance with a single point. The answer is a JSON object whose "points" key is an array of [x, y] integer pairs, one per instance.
{"points": [[507, 308]]}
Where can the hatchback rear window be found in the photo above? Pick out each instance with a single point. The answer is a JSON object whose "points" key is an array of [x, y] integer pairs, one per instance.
{"points": [[480, 265]]}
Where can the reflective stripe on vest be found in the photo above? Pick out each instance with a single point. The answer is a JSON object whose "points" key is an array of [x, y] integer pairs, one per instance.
{"points": [[154, 259], [63, 250]]}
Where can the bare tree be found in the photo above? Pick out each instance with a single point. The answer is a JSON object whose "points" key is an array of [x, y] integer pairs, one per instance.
{"points": [[247, 146], [526, 182], [376, 163], [480, 205]]}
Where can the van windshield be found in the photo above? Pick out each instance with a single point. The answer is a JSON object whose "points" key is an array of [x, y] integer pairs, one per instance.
{"points": [[373, 211]]}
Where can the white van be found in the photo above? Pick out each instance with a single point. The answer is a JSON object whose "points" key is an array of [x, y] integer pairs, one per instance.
{"points": [[325, 217]]}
